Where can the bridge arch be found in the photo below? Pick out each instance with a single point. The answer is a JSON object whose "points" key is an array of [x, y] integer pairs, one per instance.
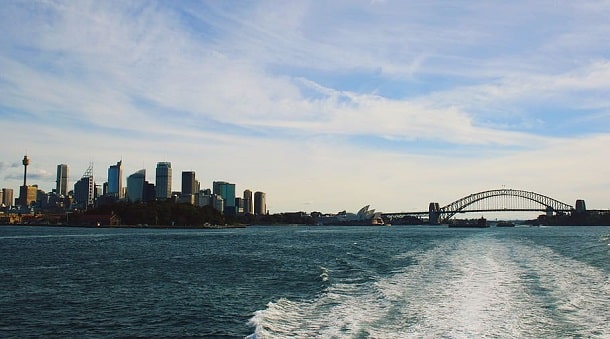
{"points": [[504, 200]]}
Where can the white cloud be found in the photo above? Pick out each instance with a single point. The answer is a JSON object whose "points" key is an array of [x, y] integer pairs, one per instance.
{"points": [[256, 95]]}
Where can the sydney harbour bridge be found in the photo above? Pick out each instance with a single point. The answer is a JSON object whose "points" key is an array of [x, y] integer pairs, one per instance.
{"points": [[497, 200]]}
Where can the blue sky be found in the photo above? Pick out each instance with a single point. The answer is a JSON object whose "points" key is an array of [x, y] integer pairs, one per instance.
{"points": [[323, 105]]}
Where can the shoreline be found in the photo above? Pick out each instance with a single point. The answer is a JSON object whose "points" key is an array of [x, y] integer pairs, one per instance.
{"points": [[132, 226]]}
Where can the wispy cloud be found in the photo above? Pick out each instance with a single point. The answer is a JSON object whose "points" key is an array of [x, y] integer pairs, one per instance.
{"points": [[308, 90]]}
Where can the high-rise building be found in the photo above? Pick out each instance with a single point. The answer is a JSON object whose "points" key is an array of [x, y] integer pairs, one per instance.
{"points": [[239, 206], [7, 197], [190, 185], [227, 192], [218, 202], [248, 202], [260, 203], [149, 193], [115, 180], [84, 189], [135, 186], [62, 180], [27, 195], [163, 180]]}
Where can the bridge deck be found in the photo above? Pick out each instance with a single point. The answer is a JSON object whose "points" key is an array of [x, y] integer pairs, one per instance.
{"points": [[398, 214]]}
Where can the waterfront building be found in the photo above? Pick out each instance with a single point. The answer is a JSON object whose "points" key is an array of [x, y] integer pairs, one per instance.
{"points": [[115, 180], [84, 190], [7, 197], [62, 180], [227, 192], [248, 202], [135, 186], [260, 203], [163, 180]]}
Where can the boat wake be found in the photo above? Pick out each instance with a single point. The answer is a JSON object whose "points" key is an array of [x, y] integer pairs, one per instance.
{"points": [[474, 287]]}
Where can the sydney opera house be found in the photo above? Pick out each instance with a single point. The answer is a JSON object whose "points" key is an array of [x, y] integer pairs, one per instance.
{"points": [[365, 216]]}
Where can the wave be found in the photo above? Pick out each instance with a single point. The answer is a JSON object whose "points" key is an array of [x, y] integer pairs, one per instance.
{"points": [[473, 287]]}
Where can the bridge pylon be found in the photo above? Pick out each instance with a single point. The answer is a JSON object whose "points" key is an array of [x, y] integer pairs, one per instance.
{"points": [[434, 213]]}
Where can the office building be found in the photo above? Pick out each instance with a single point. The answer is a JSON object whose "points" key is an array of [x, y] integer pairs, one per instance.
{"points": [[115, 180], [190, 188], [190, 185], [227, 192], [218, 202], [248, 202], [27, 195], [260, 203], [7, 197], [135, 186], [163, 180], [84, 190], [239, 206], [149, 193], [62, 180]]}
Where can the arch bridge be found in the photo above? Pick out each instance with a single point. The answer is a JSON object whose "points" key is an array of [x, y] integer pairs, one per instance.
{"points": [[497, 200]]}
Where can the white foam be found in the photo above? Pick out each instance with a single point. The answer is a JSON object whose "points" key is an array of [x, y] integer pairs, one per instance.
{"points": [[474, 287]]}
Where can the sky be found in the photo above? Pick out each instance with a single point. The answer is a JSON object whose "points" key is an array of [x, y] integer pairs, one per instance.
{"points": [[324, 105]]}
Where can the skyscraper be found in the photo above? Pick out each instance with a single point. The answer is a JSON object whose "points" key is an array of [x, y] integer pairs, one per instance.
{"points": [[163, 180], [62, 180], [248, 202], [136, 185], [189, 183], [7, 197], [260, 203], [227, 192], [115, 180], [84, 189], [190, 188]]}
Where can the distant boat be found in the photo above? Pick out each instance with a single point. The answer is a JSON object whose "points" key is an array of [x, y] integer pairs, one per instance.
{"points": [[503, 223], [469, 223]]}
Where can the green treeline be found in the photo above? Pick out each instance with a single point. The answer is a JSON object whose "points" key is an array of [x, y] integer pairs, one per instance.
{"points": [[161, 213], [575, 219], [167, 213]]}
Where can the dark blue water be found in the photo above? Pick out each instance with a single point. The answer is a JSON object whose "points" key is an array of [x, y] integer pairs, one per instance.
{"points": [[270, 282]]}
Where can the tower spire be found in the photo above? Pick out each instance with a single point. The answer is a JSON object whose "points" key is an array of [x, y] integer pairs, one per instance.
{"points": [[25, 162]]}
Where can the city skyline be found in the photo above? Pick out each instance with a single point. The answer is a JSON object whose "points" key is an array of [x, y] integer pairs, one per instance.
{"points": [[89, 192], [392, 104]]}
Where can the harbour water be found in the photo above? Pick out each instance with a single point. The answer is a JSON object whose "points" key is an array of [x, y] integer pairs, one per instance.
{"points": [[304, 282]]}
